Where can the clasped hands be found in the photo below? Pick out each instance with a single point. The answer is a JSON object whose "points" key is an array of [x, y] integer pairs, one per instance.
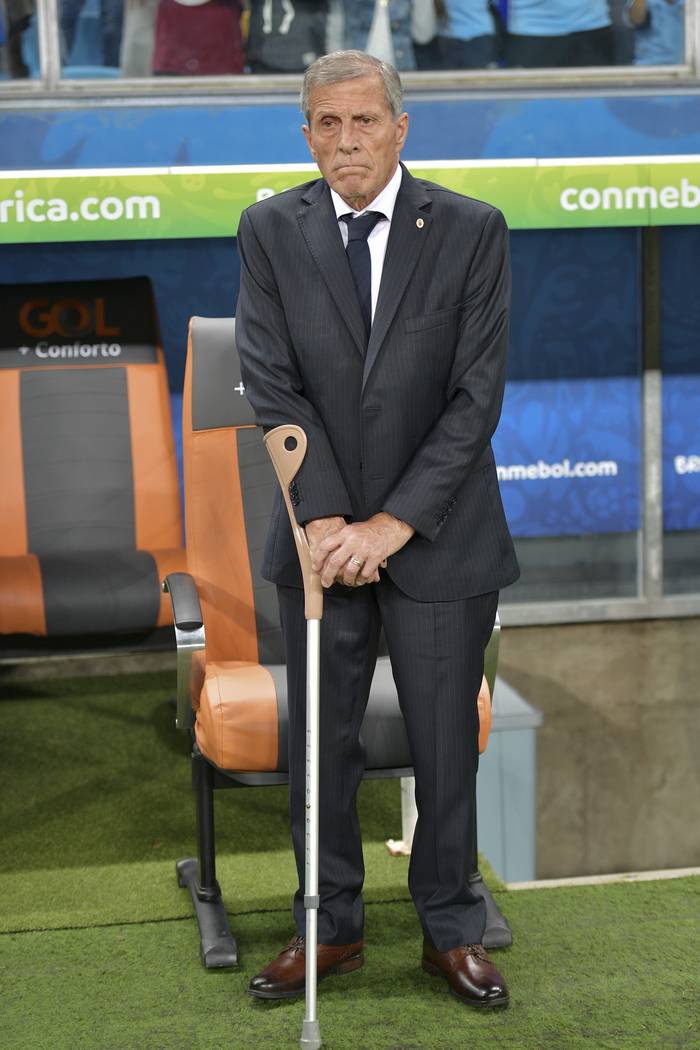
{"points": [[352, 554]]}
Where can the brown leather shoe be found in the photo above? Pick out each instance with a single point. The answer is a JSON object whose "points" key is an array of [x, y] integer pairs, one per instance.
{"points": [[285, 977], [471, 975]]}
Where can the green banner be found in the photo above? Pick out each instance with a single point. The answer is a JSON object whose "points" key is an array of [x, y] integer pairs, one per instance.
{"points": [[129, 204]]}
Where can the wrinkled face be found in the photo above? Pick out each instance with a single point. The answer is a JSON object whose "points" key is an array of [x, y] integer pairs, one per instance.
{"points": [[353, 137]]}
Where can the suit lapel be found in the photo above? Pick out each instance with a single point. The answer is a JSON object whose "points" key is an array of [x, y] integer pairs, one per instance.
{"points": [[410, 225], [319, 227]]}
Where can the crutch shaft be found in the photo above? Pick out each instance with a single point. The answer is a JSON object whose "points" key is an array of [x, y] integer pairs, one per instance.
{"points": [[287, 447], [311, 901]]}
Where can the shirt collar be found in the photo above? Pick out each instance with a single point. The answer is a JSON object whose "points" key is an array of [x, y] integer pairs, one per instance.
{"points": [[384, 202]]}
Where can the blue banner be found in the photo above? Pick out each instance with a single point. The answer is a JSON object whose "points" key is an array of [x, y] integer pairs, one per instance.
{"points": [[568, 456], [681, 452]]}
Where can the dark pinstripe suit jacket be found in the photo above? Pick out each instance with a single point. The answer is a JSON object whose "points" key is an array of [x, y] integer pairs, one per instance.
{"points": [[405, 427]]}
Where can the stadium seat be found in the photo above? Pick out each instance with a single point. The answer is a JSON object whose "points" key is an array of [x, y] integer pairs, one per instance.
{"points": [[89, 501], [231, 676]]}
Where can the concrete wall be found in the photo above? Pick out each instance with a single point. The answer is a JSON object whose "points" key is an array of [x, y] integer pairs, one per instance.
{"points": [[619, 752]]}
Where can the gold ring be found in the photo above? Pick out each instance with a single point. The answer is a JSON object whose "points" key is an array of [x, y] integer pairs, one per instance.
{"points": [[355, 561]]}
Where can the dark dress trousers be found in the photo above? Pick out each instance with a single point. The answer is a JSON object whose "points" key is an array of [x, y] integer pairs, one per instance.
{"points": [[401, 423]]}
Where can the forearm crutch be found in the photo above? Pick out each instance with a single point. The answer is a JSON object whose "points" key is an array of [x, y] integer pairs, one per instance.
{"points": [[287, 448]]}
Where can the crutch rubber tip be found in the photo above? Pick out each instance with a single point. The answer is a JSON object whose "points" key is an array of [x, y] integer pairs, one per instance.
{"points": [[310, 1035]]}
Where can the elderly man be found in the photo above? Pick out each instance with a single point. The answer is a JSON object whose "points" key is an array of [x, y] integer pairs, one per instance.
{"points": [[373, 312]]}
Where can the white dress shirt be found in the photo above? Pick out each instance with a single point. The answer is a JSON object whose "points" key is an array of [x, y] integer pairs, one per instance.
{"points": [[379, 237]]}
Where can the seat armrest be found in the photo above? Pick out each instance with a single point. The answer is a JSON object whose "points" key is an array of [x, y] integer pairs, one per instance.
{"points": [[189, 638], [187, 612]]}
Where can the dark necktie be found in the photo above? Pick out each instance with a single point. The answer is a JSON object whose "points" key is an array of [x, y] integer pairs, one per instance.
{"points": [[357, 251]]}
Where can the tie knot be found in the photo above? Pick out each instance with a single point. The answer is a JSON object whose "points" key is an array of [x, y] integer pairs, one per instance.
{"points": [[360, 228]]}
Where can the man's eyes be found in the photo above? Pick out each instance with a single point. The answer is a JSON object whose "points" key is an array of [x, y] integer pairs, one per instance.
{"points": [[330, 122]]}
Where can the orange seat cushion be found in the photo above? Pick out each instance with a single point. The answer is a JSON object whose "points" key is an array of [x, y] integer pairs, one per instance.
{"points": [[237, 724], [237, 718]]}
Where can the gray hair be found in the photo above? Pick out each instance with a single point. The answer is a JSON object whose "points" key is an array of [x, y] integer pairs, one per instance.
{"points": [[346, 65]]}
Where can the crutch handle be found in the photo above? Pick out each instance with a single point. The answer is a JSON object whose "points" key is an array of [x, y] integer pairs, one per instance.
{"points": [[286, 446]]}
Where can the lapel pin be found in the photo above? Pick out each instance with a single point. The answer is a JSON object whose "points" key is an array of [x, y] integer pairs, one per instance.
{"points": [[420, 224]]}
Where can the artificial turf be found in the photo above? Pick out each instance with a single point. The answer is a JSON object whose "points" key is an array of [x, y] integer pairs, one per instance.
{"points": [[100, 950], [595, 967]]}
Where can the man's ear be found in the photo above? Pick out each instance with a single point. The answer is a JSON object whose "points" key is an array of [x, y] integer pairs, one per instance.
{"points": [[401, 130], [307, 135]]}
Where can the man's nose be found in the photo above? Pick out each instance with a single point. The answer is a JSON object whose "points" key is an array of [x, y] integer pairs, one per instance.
{"points": [[347, 142]]}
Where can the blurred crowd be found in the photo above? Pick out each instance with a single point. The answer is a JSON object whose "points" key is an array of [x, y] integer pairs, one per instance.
{"points": [[138, 38]]}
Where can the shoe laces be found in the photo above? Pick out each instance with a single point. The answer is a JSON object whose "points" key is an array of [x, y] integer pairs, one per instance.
{"points": [[475, 950], [297, 943]]}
